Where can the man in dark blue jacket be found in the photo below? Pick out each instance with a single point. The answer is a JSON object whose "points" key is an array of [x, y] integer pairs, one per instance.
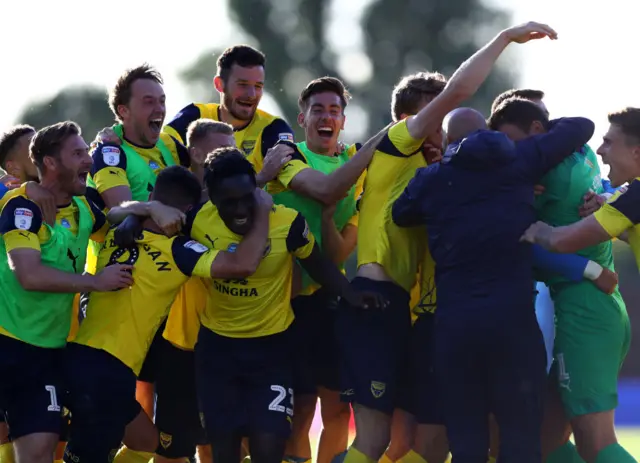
{"points": [[489, 352]]}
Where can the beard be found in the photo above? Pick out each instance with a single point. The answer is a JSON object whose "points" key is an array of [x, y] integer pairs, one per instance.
{"points": [[229, 104]]}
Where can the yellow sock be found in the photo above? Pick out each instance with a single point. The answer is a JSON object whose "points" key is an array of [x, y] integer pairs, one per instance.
{"points": [[6, 453], [290, 459], [492, 460], [58, 461], [126, 455], [385, 459], [448, 459], [356, 456], [412, 457]]}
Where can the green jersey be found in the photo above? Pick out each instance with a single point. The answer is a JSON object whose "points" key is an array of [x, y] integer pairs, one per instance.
{"points": [[565, 187]]}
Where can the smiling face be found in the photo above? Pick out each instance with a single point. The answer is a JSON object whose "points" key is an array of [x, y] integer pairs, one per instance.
{"points": [[241, 90], [236, 203], [322, 120], [144, 114], [71, 167], [622, 154]]}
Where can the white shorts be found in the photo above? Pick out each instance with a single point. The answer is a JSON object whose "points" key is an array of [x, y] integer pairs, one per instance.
{"points": [[545, 313]]}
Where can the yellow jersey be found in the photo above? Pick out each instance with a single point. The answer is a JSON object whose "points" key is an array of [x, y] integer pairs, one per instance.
{"points": [[260, 304], [622, 213], [255, 139], [380, 240], [124, 322]]}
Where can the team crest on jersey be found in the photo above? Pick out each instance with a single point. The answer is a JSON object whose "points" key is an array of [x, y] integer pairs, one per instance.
{"points": [[65, 223], [285, 137], [22, 218], [247, 146], [195, 246], [232, 247], [165, 440], [267, 249], [378, 389], [154, 165], [111, 155]]}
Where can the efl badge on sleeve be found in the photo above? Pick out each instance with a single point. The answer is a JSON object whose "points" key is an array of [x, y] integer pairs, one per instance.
{"points": [[22, 218]]}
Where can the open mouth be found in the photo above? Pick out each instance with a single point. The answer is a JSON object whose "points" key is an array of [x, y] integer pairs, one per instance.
{"points": [[82, 176], [240, 222], [325, 132], [155, 125], [245, 104]]}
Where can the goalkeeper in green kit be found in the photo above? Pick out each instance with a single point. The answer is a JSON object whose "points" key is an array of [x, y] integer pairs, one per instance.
{"points": [[592, 327]]}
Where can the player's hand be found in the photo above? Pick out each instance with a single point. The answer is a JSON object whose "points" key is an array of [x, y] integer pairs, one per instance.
{"points": [[9, 181], [45, 201], [529, 31], [607, 282], [432, 154], [274, 161], [366, 300], [264, 200], [114, 277], [592, 202], [329, 211], [538, 190], [108, 135], [168, 218], [532, 233], [125, 234]]}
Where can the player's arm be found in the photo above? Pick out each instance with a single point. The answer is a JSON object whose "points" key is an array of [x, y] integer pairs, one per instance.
{"points": [[409, 209], [338, 244], [611, 221], [178, 126], [168, 218], [20, 223], [329, 189], [469, 76], [100, 223], [194, 259], [543, 152], [109, 173]]}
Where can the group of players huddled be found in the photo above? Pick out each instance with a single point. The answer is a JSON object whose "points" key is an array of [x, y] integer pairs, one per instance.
{"points": [[171, 289]]}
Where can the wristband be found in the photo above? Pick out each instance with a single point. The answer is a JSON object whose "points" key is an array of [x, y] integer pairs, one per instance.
{"points": [[593, 270]]}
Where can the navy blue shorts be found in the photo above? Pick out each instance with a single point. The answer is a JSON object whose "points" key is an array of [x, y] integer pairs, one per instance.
{"points": [[31, 388], [154, 361], [177, 414], [317, 358], [420, 397], [245, 384], [375, 347], [102, 399]]}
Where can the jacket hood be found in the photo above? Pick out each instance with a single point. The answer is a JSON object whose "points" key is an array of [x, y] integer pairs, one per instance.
{"points": [[482, 150]]}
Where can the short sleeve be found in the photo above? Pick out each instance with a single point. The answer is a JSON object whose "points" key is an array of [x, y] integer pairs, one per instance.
{"points": [[354, 220], [179, 152], [274, 132], [398, 141], [20, 223], [109, 168], [621, 212], [192, 258], [178, 126], [300, 240]]}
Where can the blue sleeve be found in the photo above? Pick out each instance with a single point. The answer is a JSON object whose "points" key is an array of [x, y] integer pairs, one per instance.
{"points": [[606, 186], [3, 190], [570, 266], [411, 208], [543, 152]]}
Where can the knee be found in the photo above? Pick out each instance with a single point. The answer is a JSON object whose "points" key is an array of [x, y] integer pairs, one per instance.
{"points": [[431, 442], [373, 431], [335, 413]]}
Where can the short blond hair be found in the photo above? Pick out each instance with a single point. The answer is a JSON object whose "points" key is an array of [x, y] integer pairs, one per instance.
{"points": [[200, 128]]}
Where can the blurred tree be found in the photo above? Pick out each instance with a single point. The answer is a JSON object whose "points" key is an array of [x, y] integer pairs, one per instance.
{"points": [[400, 36], [85, 105]]}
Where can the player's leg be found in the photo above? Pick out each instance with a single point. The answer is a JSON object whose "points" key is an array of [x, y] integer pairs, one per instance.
{"points": [[177, 413], [30, 394], [102, 402], [374, 344], [591, 343], [462, 362], [403, 427], [221, 393], [306, 334], [269, 374], [326, 356], [518, 377]]}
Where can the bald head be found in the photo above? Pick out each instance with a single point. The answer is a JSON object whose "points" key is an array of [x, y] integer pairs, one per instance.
{"points": [[461, 122]]}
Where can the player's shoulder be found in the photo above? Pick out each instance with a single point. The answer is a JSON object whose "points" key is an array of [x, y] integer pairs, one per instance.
{"points": [[182, 244], [399, 142], [20, 213], [275, 126], [108, 155]]}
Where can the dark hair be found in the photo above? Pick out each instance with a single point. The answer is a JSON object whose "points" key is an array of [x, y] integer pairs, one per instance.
{"points": [[9, 139], [242, 55], [322, 85], [121, 93], [519, 112], [177, 187], [628, 119], [524, 93], [224, 163], [200, 128], [48, 141], [411, 91]]}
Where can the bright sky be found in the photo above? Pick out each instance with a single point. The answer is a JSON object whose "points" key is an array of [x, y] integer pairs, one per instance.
{"points": [[591, 70]]}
